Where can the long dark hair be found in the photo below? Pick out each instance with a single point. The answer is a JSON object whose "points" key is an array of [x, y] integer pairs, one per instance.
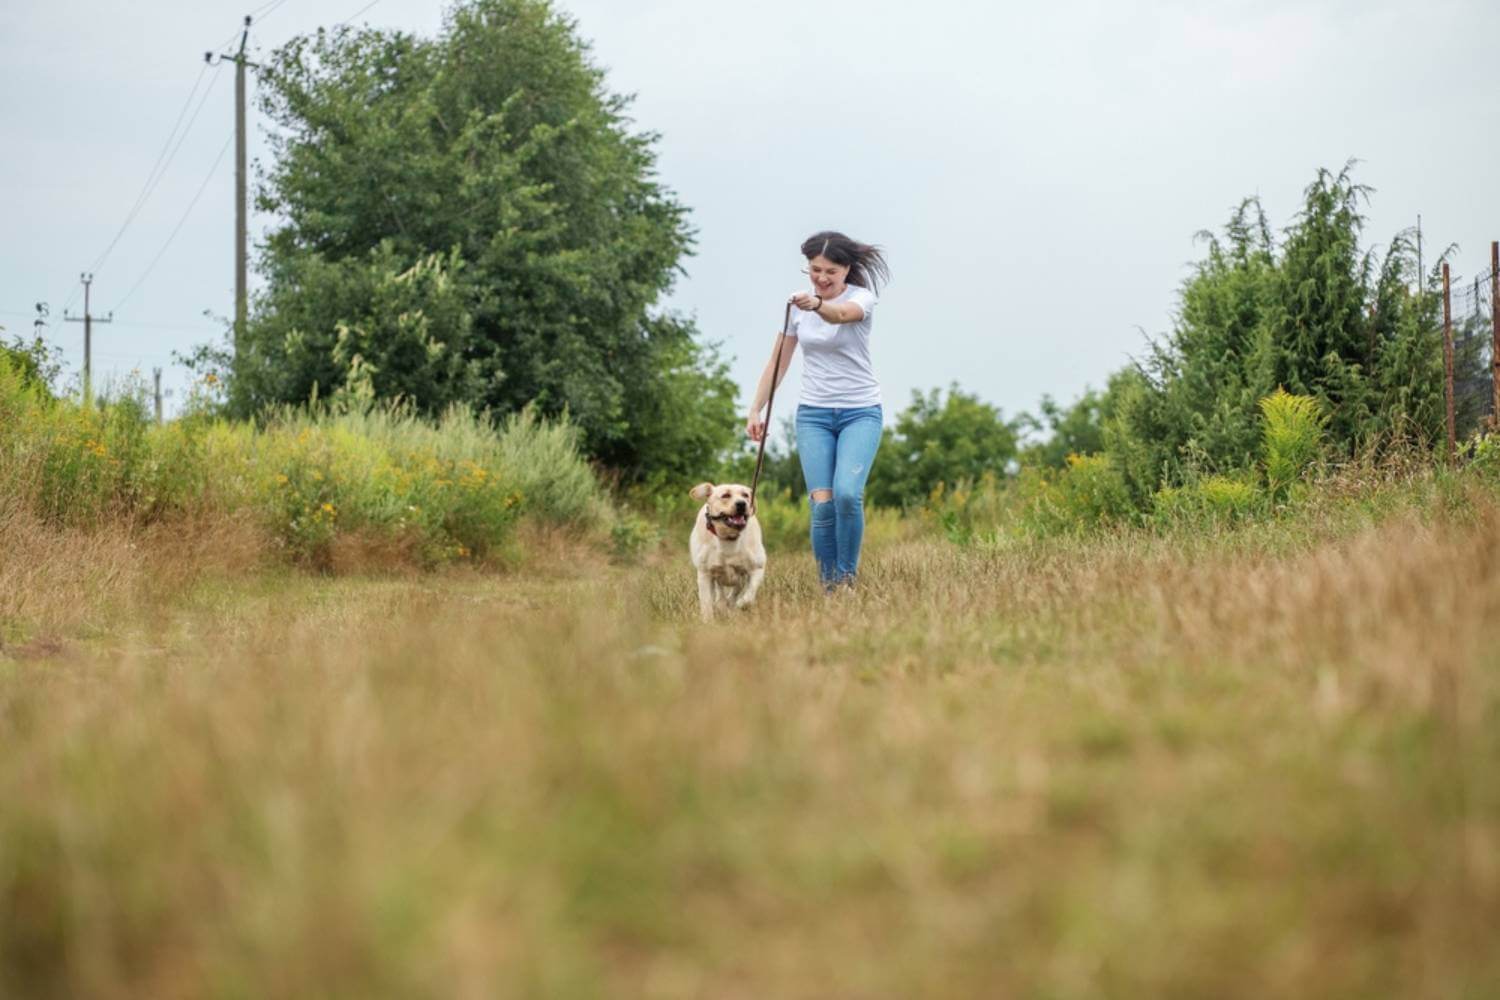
{"points": [[866, 263]]}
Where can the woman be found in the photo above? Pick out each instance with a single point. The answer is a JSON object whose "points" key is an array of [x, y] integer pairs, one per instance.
{"points": [[839, 415]]}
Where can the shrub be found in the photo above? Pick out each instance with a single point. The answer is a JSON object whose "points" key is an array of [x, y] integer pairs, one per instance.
{"points": [[630, 536], [1086, 495], [1484, 455], [970, 510], [1292, 436], [438, 490], [454, 487], [1212, 500]]}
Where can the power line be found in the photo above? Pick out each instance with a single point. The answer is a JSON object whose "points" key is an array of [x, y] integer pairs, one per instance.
{"points": [[152, 183], [152, 176], [178, 228], [356, 13], [144, 324], [156, 175], [274, 6], [263, 11], [159, 168]]}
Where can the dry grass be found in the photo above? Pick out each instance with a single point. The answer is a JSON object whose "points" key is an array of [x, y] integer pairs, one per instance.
{"points": [[1244, 764], [61, 582]]}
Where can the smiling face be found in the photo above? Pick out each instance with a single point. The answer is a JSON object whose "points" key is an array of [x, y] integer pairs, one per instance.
{"points": [[728, 504], [827, 277]]}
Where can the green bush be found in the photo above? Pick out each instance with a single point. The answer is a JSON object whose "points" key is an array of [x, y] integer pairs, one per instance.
{"points": [[35, 363], [1484, 455], [1088, 494], [1291, 438], [1212, 500], [631, 535], [447, 489], [454, 485], [971, 510]]}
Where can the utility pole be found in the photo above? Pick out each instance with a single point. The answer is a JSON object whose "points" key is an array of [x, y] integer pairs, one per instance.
{"points": [[88, 320], [241, 225], [156, 391], [1421, 275]]}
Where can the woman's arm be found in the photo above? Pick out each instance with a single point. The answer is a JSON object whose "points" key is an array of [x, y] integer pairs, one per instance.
{"points": [[832, 312], [755, 426]]}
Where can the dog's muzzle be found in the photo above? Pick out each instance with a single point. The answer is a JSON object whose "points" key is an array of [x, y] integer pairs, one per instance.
{"points": [[735, 521]]}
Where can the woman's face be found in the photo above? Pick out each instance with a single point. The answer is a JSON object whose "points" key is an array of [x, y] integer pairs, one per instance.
{"points": [[827, 277]]}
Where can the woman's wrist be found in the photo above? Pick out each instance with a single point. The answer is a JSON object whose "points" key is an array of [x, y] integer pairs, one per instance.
{"points": [[819, 306]]}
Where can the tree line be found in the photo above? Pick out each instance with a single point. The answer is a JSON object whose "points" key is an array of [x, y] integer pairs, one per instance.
{"points": [[472, 218]]}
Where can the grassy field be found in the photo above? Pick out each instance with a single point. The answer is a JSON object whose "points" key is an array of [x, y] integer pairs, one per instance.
{"points": [[1245, 762]]}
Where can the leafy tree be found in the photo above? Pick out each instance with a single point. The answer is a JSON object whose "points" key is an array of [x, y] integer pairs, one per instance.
{"points": [[473, 218], [941, 439], [781, 471], [403, 331], [35, 363], [1075, 430]]}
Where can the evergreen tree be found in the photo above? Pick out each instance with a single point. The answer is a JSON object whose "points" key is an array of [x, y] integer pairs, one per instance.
{"points": [[1311, 316]]}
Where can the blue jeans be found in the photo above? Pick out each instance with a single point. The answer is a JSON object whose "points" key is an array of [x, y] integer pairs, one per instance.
{"points": [[837, 448]]}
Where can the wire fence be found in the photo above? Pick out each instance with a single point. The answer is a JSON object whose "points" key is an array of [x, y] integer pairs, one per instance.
{"points": [[1472, 310]]}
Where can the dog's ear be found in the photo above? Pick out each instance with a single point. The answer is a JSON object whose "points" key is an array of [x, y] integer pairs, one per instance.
{"points": [[701, 491]]}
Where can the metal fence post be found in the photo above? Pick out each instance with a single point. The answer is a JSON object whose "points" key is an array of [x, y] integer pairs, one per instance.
{"points": [[1495, 332], [1448, 365]]}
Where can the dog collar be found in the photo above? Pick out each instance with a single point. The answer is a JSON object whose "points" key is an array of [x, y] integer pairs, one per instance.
{"points": [[709, 521]]}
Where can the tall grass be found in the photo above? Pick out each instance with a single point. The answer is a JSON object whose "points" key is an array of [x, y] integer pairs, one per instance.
{"points": [[318, 482]]}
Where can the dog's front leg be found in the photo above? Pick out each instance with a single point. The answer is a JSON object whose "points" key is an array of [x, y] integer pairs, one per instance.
{"points": [[705, 596], [747, 596]]}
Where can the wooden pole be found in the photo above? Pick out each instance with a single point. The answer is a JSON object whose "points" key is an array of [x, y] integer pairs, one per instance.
{"points": [[88, 346], [240, 225], [88, 319], [1448, 365]]}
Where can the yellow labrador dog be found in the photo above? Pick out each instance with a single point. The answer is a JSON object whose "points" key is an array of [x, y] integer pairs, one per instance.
{"points": [[726, 548]]}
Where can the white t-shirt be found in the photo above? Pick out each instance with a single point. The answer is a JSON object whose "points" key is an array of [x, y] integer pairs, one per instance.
{"points": [[836, 369]]}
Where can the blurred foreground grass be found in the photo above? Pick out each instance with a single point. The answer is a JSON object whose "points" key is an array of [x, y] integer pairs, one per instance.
{"points": [[1235, 764]]}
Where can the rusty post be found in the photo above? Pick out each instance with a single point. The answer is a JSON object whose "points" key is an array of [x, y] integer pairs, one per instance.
{"points": [[1448, 365], [1495, 332]]}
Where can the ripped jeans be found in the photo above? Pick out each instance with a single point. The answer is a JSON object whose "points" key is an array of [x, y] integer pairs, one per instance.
{"points": [[837, 448]]}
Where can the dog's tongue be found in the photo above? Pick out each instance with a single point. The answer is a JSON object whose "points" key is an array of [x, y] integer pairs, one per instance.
{"points": [[735, 520]]}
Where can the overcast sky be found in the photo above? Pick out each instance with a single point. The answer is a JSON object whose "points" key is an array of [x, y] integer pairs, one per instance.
{"points": [[1036, 172]]}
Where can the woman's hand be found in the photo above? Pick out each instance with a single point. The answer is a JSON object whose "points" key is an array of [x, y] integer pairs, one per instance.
{"points": [[807, 301], [755, 427]]}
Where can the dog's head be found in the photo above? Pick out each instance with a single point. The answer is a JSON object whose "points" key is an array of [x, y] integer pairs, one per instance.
{"points": [[728, 507]]}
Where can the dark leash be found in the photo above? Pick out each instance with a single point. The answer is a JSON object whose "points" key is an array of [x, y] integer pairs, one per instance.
{"points": [[760, 456]]}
